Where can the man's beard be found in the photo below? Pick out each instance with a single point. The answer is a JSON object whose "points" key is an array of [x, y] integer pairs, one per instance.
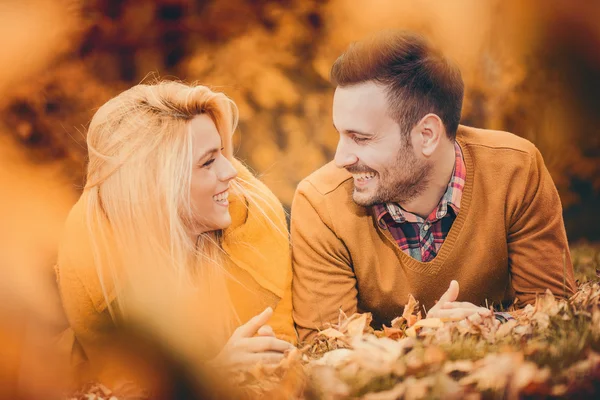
{"points": [[400, 183]]}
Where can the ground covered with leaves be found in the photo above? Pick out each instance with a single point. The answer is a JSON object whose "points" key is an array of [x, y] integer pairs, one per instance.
{"points": [[549, 350]]}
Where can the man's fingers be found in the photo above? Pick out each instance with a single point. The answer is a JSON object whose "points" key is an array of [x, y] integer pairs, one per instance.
{"points": [[260, 344], [251, 327], [455, 314], [458, 304], [484, 311], [265, 330], [451, 294]]}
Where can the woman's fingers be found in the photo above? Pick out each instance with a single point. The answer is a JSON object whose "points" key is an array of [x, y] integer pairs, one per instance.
{"points": [[251, 327], [260, 344], [268, 358], [252, 343], [251, 359], [265, 330]]}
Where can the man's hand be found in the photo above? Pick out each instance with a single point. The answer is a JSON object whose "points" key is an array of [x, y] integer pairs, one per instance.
{"points": [[448, 309]]}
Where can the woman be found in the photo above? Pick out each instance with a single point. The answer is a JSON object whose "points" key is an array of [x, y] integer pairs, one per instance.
{"points": [[175, 234]]}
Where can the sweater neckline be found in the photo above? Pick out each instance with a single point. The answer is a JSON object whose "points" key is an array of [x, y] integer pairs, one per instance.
{"points": [[434, 266]]}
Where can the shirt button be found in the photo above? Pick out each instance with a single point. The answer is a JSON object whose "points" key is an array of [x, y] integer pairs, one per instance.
{"points": [[425, 227]]}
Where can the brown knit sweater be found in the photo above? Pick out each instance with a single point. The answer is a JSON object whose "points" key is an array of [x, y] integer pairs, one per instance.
{"points": [[507, 241]]}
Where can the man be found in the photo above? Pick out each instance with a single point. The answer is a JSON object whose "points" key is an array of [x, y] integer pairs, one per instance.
{"points": [[415, 203]]}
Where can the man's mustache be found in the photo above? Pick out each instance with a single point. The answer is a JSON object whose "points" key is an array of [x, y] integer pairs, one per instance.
{"points": [[358, 169]]}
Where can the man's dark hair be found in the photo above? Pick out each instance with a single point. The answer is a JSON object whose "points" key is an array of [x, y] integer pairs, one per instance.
{"points": [[419, 79]]}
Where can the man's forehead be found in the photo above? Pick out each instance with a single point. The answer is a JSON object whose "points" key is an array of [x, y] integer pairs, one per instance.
{"points": [[359, 105]]}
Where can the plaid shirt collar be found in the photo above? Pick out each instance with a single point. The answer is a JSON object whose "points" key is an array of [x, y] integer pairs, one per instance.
{"points": [[451, 198]]}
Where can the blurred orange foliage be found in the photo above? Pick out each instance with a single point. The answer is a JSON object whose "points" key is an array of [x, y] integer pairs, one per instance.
{"points": [[531, 68]]}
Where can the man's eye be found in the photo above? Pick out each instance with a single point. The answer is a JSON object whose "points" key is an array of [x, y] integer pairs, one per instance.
{"points": [[358, 139], [207, 164]]}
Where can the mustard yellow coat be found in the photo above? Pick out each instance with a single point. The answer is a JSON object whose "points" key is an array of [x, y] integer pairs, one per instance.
{"points": [[261, 272]]}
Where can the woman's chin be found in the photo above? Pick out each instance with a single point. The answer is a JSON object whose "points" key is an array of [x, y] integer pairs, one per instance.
{"points": [[226, 222], [217, 224]]}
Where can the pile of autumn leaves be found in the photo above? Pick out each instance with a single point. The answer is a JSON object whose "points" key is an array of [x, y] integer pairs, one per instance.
{"points": [[548, 350]]}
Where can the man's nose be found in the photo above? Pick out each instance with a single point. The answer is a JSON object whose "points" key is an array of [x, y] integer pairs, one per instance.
{"points": [[343, 156]]}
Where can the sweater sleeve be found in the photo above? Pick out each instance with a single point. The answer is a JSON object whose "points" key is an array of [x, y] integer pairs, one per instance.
{"points": [[96, 345], [281, 321], [258, 242], [323, 279], [538, 251], [93, 329]]}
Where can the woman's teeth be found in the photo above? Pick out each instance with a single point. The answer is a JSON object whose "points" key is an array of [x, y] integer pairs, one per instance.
{"points": [[221, 197], [364, 176]]}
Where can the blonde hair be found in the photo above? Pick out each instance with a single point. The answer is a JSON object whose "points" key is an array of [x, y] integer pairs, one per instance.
{"points": [[138, 190]]}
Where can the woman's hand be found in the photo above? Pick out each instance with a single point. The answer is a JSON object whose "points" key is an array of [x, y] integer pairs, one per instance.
{"points": [[252, 343]]}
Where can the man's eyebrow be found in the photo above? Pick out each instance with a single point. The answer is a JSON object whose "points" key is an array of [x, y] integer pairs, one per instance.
{"points": [[352, 131]]}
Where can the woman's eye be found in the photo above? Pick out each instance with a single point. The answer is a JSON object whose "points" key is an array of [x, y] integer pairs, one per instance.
{"points": [[208, 163], [359, 139]]}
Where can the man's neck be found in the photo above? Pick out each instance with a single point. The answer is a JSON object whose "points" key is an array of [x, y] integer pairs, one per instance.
{"points": [[440, 177]]}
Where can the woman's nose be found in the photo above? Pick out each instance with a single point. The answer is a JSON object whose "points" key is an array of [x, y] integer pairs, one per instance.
{"points": [[227, 171]]}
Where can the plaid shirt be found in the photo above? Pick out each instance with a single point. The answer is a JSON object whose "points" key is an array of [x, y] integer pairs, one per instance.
{"points": [[422, 238]]}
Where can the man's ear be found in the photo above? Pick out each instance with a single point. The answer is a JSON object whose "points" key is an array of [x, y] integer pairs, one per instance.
{"points": [[428, 133]]}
